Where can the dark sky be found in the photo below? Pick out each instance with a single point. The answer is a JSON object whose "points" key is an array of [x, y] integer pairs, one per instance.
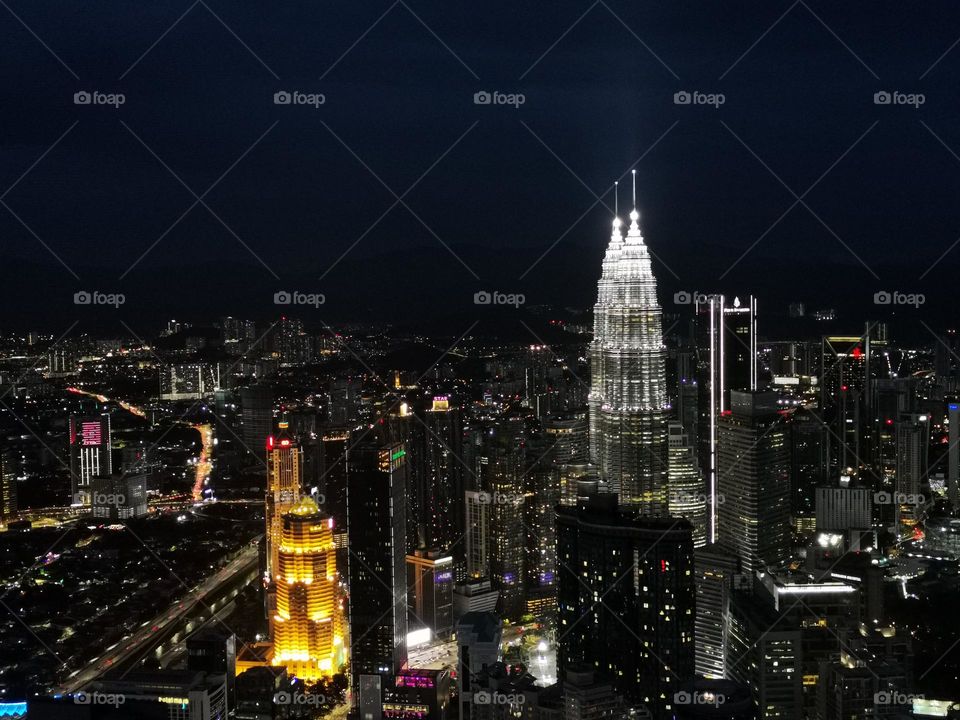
{"points": [[301, 184]]}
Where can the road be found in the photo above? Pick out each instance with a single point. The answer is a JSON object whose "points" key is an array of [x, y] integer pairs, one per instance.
{"points": [[204, 462], [151, 634]]}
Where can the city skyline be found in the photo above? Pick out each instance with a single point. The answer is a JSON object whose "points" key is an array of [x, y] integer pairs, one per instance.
{"points": [[325, 394]]}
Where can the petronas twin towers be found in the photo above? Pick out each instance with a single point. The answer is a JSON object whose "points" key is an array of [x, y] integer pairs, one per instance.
{"points": [[629, 409]]}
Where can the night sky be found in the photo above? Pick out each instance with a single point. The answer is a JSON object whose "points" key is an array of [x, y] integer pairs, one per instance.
{"points": [[495, 188]]}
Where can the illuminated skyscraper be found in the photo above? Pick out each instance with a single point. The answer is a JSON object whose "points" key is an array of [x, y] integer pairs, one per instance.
{"points": [[284, 482], [308, 624], [686, 498], [90, 455], [628, 394], [8, 484]]}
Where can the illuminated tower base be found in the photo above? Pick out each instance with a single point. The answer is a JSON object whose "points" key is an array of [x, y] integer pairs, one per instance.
{"points": [[307, 628]]}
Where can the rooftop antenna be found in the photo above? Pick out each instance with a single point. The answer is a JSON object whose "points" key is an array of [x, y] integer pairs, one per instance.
{"points": [[616, 198], [634, 173]]}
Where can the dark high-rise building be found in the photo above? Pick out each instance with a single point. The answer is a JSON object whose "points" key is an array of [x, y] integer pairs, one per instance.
{"points": [[541, 490], [765, 653], [332, 484], [501, 476], [808, 461], [430, 583], [913, 440], [568, 436], [290, 342], [436, 495], [538, 385], [214, 651], [478, 648], [849, 368], [342, 401], [90, 454], [256, 414], [725, 337], [626, 598], [377, 478], [237, 335], [717, 572], [8, 484], [753, 462]]}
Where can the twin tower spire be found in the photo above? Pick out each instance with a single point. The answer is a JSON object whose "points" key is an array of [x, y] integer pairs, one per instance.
{"points": [[634, 231]]}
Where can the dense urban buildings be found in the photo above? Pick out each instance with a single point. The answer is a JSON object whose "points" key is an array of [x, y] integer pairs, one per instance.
{"points": [[626, 598], [459, 456]]}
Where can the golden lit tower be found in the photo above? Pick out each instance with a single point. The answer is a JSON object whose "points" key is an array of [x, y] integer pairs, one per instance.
{"points": [[284, 480], [308, 624]]}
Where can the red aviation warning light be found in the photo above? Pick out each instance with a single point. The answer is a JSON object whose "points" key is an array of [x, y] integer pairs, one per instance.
{"points": [[270, 442]]}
